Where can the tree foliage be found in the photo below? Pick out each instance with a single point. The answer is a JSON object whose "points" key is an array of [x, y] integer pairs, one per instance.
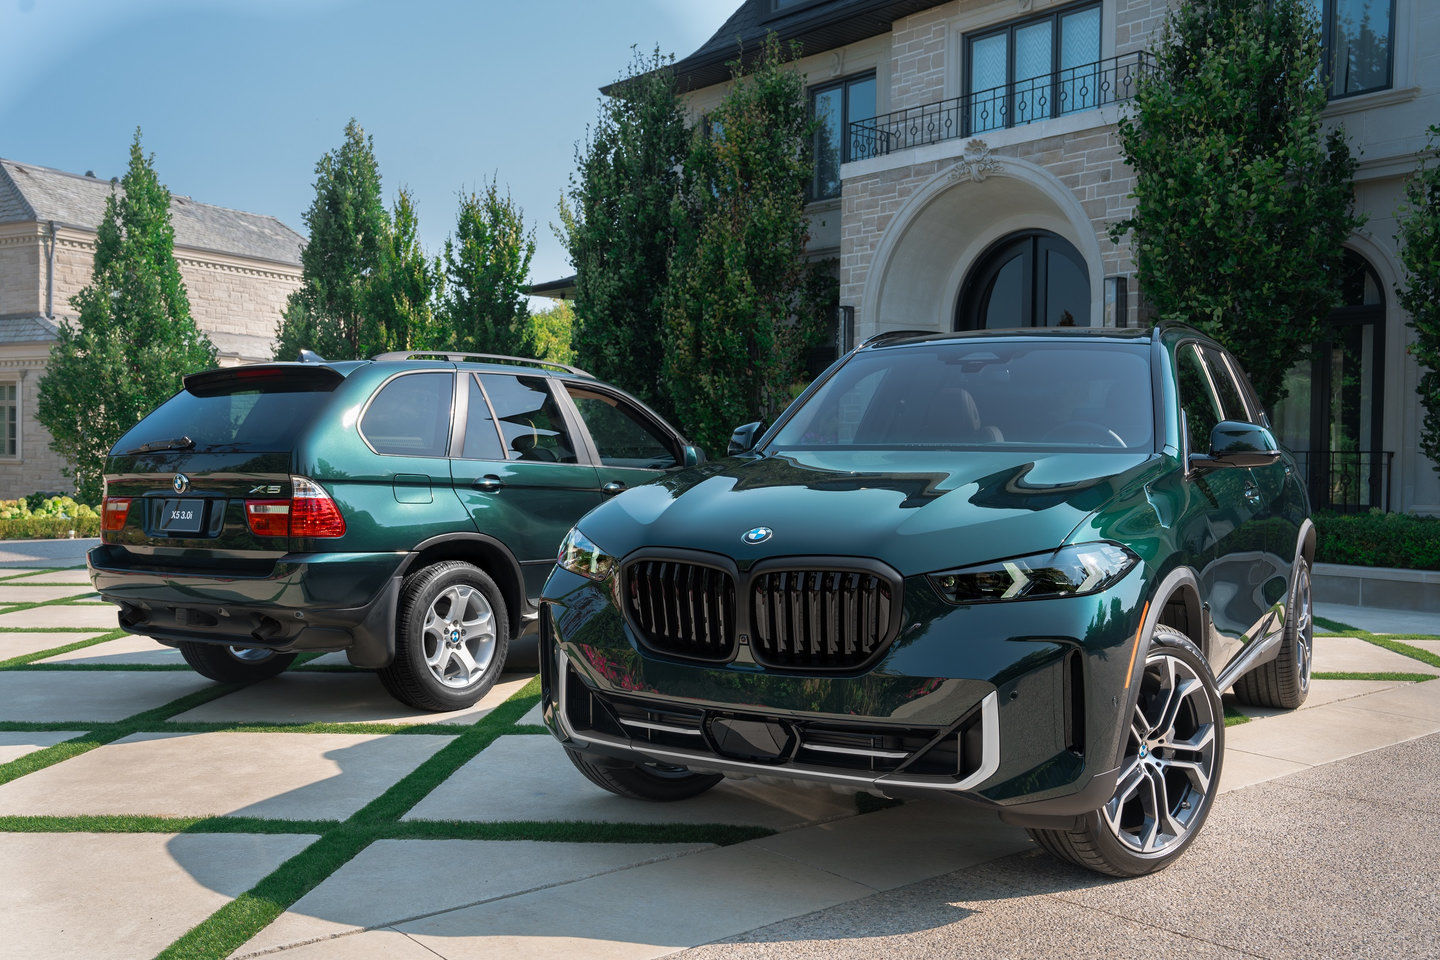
{"points": [[1242, 207], [549, 334], [1419, 237], [739, 303], [402, 293], [487, 263], [619, 229], [133, 339], [348, 228]]}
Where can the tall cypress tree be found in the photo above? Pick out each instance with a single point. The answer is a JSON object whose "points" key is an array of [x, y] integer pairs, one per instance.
{"points": [[401, 314], [619, 228], [1241, 205], [346, 249], [487, 263], [134, 338]]}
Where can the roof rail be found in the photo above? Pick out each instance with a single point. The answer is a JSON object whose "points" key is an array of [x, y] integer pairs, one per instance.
{"points": [[895, 335], [455, 355]]}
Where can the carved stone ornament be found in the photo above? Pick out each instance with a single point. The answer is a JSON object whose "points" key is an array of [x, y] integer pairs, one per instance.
{"points": [[975, 164]]}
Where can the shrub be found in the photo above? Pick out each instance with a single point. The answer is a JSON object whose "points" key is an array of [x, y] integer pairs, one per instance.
{"points": [[1378, 540], [48, 528]]}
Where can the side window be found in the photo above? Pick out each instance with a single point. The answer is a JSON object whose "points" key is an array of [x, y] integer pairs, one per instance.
{"points": [[410, 416], [1197, 399], [530, 419], [623, 437], [482, 441], [1232, 400]]}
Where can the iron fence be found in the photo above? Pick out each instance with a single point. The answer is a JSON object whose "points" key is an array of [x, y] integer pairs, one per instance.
{"points": [[1347, 481]]}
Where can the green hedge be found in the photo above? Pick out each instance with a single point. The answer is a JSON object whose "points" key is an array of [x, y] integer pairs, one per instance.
{"points": [[1378, 540], [48, 528]]}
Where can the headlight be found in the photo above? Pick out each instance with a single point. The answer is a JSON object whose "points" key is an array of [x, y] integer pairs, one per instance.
{"points": [[1068, 572], [579, 555]]}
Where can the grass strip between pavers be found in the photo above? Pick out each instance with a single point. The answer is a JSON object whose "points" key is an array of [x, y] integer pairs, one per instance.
{"points": [[70, 601], [133, 823], [1234, 717], [25, 659], [1352, 675]]}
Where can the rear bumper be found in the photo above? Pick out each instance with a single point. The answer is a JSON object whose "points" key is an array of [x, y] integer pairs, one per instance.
{"points": [[340, 601]]}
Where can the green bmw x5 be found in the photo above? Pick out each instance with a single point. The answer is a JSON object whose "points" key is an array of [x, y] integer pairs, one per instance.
{"points": [[405, 510], [1013, 568]]}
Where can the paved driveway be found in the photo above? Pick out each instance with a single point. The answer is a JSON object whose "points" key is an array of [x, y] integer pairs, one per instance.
{"points": [[144, 808]]}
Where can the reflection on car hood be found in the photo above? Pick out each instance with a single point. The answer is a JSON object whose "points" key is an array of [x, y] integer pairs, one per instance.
{"points": [[919, 511]]}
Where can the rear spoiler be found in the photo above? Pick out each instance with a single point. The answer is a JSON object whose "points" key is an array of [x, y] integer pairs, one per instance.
{"points": [[267, 377]]}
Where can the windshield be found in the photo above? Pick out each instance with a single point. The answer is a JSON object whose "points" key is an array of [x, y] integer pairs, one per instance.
{"points": [[982, 394]]}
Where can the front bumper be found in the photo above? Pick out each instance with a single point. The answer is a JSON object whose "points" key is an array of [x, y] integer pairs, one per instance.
{"points": [[334, 601], [1012, 706]]}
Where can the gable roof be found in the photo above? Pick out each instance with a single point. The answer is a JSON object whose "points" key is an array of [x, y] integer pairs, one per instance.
{"points": [[817, 27], [32, 193]]}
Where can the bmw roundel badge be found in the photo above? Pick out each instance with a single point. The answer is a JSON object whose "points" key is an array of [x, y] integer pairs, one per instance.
{"points": [[181, 483], [757, 535]]}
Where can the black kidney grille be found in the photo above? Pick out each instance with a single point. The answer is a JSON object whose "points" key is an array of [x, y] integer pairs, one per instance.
{"points": [[683, 608], [819, 618]]}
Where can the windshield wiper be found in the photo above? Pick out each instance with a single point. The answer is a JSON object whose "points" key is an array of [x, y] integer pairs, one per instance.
{"points": [[155, 446]]}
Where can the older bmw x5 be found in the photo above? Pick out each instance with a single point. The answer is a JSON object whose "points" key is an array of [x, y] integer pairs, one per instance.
{"points": [[405, 510], [1014, 568]]}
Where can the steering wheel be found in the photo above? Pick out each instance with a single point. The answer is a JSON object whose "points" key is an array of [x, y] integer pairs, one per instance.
{"points": [[1099, 431]]}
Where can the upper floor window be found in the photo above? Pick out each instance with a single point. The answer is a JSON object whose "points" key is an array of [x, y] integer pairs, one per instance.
{"points": [[1034, 68], [836, 106], [1357, 40], [9, 419]]}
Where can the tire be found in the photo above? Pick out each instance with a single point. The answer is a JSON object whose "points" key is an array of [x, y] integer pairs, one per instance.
{"points": [[451, 636], [651, 781], [233, 664], [1284, 682], [1177, 742]]}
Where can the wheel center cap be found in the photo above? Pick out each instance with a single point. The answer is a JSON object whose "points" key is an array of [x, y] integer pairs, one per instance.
{"points": [[1144, 751]]}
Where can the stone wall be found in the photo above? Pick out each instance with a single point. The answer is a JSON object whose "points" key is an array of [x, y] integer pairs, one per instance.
{"points": [[918, 47]]}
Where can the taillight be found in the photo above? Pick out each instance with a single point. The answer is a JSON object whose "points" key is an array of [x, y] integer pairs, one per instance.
{"points": [[308, 513], [113, 512], [312, 512]]}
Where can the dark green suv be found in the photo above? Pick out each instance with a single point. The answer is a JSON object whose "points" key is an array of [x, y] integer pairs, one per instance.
{"points": [[405, 509], [1012, 568]]}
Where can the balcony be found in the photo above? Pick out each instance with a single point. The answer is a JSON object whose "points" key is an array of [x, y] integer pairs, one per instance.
{"points": [[1064, 92]]}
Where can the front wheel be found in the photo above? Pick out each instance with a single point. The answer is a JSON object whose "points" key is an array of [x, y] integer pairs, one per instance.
{"points": [[233, 664], [660, 782], [1169, 774]]}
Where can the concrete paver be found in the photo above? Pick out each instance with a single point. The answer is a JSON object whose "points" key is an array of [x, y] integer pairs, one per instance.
{"points": [[20, 592], [74, 616], [126, 650], [379, 887], [77, 577], [1432, 646], [370, 945], [1327, 733], [1245, 769], [524, 777], [92, 695], [15, 744], [294, 776], [1352, 655], [301, 697], [21, 644], [117, 896]]}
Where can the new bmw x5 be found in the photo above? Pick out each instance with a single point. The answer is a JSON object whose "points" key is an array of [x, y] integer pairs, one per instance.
{"points": [[1014, 568]]}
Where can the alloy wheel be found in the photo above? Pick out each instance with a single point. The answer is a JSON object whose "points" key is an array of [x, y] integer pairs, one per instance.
{"points": [[459, 635], [1304, 628], [1168, 771], [251, 654]]}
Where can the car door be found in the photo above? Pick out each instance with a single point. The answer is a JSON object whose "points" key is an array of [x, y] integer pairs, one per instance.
{"points": [[630, 445], [521, 471], [1221, 505], [1275, 528]]}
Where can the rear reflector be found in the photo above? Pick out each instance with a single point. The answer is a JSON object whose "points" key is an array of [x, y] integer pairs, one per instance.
{"points": [[268, 518], [113, 513], [312, 512]]}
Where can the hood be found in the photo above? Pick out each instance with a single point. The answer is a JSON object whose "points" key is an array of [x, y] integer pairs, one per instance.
{"points": [[919, 511]]}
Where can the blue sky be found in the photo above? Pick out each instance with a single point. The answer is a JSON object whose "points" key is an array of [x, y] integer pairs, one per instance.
{"points": [[238, 98]]}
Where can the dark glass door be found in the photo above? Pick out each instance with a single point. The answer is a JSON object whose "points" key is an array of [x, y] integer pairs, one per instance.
{"points": [[1031, 279]]}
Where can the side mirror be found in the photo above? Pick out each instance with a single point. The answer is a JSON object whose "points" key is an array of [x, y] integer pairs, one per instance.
{"points": [[744, 437], [691, 455], [1237, 444]]}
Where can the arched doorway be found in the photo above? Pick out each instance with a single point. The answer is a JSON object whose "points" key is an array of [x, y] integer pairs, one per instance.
{"points": [[1033, 278], [1331, 415]]}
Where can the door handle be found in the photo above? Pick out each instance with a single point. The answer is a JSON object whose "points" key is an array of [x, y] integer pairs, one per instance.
{"points": [[612, 488], [489, 483]]}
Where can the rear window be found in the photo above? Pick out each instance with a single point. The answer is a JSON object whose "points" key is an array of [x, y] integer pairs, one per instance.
{"points": [[235, 414]]}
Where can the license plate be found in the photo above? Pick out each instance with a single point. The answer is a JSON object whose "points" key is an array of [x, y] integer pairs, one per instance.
{"points": [[181, 516]]}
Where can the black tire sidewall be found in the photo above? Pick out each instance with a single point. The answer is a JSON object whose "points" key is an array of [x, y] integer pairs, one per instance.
{"points": [[218, 662], [416, 597]]}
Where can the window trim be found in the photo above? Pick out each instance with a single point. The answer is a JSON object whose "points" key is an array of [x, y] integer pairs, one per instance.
{"points": [[1219, 405], [18, 382], [1008, 27], [774, 11], [454, 411], [842, 84], [1327, 46]]}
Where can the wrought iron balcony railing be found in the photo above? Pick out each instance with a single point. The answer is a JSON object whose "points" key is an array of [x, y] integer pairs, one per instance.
{"points": [[1347, 481], [1067, 91]]}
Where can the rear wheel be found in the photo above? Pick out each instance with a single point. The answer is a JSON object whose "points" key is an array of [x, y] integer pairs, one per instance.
{"points": [[1169, 774], [1284, 682], [451, 637], [233, 664], [661, 782]]}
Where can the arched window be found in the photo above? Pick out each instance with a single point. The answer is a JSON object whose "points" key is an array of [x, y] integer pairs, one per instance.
{"points": [[1029, 279]]}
